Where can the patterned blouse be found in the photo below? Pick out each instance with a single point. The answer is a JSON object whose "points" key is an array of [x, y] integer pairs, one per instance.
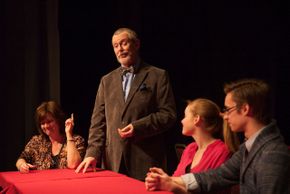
{"points": [[38, 152]]}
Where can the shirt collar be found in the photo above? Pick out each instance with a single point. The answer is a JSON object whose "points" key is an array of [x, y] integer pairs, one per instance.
{"points": [[249, 143]]}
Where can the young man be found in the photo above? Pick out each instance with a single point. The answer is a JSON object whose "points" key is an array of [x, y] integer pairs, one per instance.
{"points": [[262, 163]]}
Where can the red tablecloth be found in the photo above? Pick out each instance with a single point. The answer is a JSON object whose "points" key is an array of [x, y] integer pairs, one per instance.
{"points": [[67, 181]]}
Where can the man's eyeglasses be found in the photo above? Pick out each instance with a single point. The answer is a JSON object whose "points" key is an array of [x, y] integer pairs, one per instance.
{"points": [[228, 109]]}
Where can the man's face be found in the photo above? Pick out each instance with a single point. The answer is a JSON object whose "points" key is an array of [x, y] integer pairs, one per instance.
{"points": [[125, 49], [232, 115]]}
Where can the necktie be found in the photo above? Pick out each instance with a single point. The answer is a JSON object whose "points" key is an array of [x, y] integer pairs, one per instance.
{"points": [[127, 70], [127, 74]]}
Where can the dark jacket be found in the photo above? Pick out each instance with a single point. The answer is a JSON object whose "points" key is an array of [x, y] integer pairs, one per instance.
{"points": [[264, 170], [150, 107]]}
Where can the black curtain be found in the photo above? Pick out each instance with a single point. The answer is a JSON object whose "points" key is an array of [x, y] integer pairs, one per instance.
{"points": [[30, 70]]}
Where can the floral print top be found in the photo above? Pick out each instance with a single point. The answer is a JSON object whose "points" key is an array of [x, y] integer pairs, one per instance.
{"points": [[38, 152]]}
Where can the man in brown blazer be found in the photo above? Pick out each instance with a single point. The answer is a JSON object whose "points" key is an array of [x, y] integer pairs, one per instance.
{"points": [[134, 106]]}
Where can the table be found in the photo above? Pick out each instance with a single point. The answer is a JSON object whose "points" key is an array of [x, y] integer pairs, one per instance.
{"points": [[67, 181]]}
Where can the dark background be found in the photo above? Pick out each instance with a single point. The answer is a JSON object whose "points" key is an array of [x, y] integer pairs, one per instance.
{"points": [[202, 44]]}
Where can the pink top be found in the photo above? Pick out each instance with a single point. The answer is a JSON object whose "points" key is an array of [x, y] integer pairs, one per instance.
{"points": [[215, 154]]}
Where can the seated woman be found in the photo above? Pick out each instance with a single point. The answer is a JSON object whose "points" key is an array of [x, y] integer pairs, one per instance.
{"points": [[202, 121], [56, 146]]}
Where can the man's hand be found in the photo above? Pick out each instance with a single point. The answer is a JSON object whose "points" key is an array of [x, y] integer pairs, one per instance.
{"points": [[157, 179], [126, 131], [87, 162]]}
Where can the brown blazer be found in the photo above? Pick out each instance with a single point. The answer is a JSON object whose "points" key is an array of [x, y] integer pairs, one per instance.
{"points": [[150, 107]]}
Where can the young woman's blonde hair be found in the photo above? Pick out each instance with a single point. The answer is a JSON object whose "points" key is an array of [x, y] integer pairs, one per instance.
{"points": [[214, 123], [230, 138]]}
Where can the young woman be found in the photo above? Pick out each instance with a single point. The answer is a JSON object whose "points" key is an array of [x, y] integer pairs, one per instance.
{"points": [[204, 123]]}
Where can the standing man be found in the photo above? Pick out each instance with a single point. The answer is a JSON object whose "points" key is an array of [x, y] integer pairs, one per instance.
{"points": [[134, 106], [261, 165]]}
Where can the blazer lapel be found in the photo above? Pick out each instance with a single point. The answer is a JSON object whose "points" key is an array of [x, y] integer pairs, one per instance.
{"points": [[266, 135], [139, 78], [118, 90]]}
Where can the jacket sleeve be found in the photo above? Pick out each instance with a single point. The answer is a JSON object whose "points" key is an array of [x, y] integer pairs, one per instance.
{"points": [[224, 176], [97, 129], [273, 170]]}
